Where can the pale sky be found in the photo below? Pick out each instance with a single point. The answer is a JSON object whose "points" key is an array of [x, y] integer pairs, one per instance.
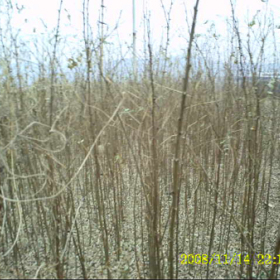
{"points": [[210, 12]]}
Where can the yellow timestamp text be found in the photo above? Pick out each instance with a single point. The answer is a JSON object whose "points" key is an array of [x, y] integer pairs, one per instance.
{"points": [[228, 259]]}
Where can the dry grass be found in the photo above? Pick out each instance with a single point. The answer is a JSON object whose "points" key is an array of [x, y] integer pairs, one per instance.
{"points": [[87, 169]]}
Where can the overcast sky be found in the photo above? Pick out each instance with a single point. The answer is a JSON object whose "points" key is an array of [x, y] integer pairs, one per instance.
{"points": [[210, 11]]}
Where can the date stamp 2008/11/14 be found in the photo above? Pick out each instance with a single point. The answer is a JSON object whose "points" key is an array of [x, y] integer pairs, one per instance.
{"points": [[226, 259]]}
